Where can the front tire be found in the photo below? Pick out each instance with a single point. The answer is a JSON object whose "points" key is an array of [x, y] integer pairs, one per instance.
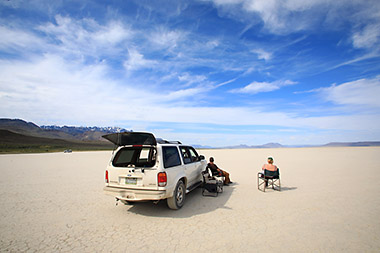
{"points": [[178, 199]]}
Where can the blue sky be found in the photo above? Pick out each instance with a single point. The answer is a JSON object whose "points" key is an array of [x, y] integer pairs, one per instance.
{"points": [[210, 72]]}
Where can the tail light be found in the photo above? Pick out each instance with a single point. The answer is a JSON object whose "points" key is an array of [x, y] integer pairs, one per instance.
{"points": [[107, 181], [162, 179]]}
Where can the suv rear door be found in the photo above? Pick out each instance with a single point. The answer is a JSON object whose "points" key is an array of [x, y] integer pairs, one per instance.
{"points": [[133, 166]]}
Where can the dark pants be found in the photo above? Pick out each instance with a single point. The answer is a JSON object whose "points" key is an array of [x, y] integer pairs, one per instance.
{"points": [[226, 177]]}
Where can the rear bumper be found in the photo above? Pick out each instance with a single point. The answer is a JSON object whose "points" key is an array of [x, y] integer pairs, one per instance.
{"points": [[135, 195]]}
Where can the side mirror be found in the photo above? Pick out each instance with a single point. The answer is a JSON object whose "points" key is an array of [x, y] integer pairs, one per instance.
{"points": [[201, 157]]}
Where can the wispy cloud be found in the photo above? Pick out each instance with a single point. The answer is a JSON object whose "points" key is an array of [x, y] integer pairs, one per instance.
{"points": [[191, 79], [166, 39], [257, 87], [362, 92], [367, 37], [85, 37], [262, 54], [293, 15], [16, 40], [137, 61], [279, 17]]}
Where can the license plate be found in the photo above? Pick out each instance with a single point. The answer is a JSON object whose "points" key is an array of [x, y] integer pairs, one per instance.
{"points": [[131, 181]]}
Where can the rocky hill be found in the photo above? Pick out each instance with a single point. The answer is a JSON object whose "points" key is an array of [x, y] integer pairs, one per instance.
{"points": [[11, 142], [353, 144], [57, 132]]}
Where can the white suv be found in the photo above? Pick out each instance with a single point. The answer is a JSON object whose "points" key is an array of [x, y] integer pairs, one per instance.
{"points": [[146, 168]]}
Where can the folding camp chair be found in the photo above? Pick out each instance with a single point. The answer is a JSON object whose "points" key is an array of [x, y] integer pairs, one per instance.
{"points": [[211, 186], [217, 175], [269, 178]]}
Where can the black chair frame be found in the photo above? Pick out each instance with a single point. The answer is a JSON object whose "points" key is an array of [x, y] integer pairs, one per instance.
{"points": [[211, 185], [269, 178]]}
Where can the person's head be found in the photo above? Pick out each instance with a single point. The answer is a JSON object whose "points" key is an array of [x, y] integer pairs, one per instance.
{"points": [[211, 159], [270, 160]]}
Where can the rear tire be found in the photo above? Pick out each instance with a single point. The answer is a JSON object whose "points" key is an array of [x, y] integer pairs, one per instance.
{"points": [[178, 199]]}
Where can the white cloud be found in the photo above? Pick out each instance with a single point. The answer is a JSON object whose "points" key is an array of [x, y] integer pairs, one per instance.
{"points": [[165, 38], [66, 91], [86, 37], [257, 87], [288, 16], [212, 44], [363, 92], [191, 79], [112, 34], [368, 37], [167, 8], [137, 61], [262, 54], [51, 87], [280, 17], [184, 93], [18, 40], [222, 2], [366, 26]]}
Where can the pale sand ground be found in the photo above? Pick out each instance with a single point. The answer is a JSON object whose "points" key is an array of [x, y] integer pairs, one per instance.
{"points": [[330, 203]]}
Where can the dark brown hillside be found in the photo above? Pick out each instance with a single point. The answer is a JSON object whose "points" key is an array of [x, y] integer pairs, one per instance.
{"points": [[31, 129], [11, 142], [15, 138], [70, 133]]}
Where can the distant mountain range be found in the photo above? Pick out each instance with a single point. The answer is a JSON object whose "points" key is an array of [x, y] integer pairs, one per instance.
{"points": [[278, 145], [71, 129], [57, 132], [353, 144], [268, 145], [93, 135], [242, 146]]}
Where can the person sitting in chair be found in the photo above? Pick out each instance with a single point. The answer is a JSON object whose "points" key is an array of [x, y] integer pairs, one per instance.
{"points": [[270, 166], [215, 170]]}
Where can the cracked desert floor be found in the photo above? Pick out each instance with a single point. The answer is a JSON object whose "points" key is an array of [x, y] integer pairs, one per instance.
{"points": [[330, 202]]}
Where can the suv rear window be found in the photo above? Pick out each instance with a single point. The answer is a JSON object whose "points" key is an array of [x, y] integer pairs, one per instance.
{"points": [[135, 156], [171, 157]]}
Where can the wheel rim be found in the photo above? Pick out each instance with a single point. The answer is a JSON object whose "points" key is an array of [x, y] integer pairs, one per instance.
{"points": [[180, 194]]}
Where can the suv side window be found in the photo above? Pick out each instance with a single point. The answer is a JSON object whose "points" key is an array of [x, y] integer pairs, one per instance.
{"points": [[171, 157], [189, 155], [185, 155], [193, 154]]}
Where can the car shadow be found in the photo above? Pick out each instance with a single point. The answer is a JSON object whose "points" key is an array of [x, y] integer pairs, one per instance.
{"points": [[195, 204]]}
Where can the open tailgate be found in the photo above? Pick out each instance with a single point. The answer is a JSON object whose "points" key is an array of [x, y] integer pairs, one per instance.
{"points": [[131, 138]]}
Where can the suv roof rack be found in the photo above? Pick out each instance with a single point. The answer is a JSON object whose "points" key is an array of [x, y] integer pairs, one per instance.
{"points": [[162, 141]]}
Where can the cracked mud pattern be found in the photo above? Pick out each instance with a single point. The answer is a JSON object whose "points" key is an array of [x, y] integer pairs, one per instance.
{"points": [[55, 203]]}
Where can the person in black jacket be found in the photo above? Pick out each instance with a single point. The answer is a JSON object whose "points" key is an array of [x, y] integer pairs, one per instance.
{"points": [[216, 171]]}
